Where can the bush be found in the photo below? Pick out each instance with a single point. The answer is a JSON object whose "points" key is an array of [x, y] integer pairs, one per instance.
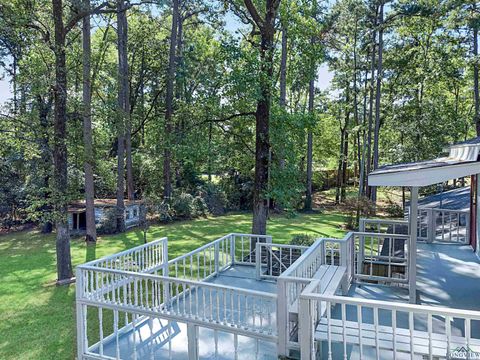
{"points": [[199, 206], [302, 239], [238, 189], [354, 206], [215, 199], [165, 212], [394, 210], [183, 206]]}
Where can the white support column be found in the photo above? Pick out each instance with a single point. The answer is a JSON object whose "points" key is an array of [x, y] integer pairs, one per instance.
{"points": [[258, 261], [432, 226], [192, 335], [232, 249], [81, 316], [216, 258], [412, 246], [165, 272], [305, 329], [282, 317]]}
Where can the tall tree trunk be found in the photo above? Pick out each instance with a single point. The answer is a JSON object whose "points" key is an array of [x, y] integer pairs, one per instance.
{"points": [[179, 59], [343, 192], [44, 109], [91, 233], [370, 107], [123, 111], [283, 69], [378, 96], [308, 192], [123, 53], [475, 78], [355, 100], [262, 115], [338, 192], [64, 261], [209, 164], [283, 93], [361, 190], [344, 155], [167, 154]]}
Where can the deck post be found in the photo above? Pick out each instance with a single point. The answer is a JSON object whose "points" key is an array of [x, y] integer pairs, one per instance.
{"points": [[361, 249], [258, 261], [432, 223], [305, 329], [192, 335], [216, 258], [282, 317], [232, 249], [80, 308], [165, 272], [165, 256], [412, 246]]}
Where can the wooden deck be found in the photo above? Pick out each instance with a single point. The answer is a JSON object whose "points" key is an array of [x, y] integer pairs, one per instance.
{"points": [[162, 339], [448, 275]]}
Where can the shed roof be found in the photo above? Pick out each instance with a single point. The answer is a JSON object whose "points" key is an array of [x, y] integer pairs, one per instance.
{"points": [[79, 205]]}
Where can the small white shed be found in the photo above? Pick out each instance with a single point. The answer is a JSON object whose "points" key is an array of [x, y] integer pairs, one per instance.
{"points": [[77, 216]]}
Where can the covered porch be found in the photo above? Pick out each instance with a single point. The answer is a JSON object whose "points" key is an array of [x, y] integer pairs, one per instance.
{"points": [[428, 310]]}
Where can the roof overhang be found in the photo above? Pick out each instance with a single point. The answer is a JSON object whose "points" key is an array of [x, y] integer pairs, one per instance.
{"points": [[423, 173]]}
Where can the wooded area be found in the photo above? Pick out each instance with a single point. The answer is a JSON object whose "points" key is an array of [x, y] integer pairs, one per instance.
{"points": [[200, 107]]}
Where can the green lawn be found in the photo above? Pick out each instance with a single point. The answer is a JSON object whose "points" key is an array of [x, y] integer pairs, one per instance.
{"points": [[37, 319]]}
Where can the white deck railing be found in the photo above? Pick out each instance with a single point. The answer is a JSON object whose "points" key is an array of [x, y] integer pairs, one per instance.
{"points": [[434, 224], [212, 258], [381, 257], [146, 258], [244, 247], [179, 299], [204, 262], [274, 259], [372, 325], [388, 226], [140, 284], [443, 225]]}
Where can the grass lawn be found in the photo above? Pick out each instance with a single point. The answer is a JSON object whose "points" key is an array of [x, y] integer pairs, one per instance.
{"points": [[37, 319]]}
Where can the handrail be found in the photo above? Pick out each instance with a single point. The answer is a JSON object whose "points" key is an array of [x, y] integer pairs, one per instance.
{"points": [[443, 209], [385, 221], [199, 249], [302, 258], [128, 251], [182, 281]]}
